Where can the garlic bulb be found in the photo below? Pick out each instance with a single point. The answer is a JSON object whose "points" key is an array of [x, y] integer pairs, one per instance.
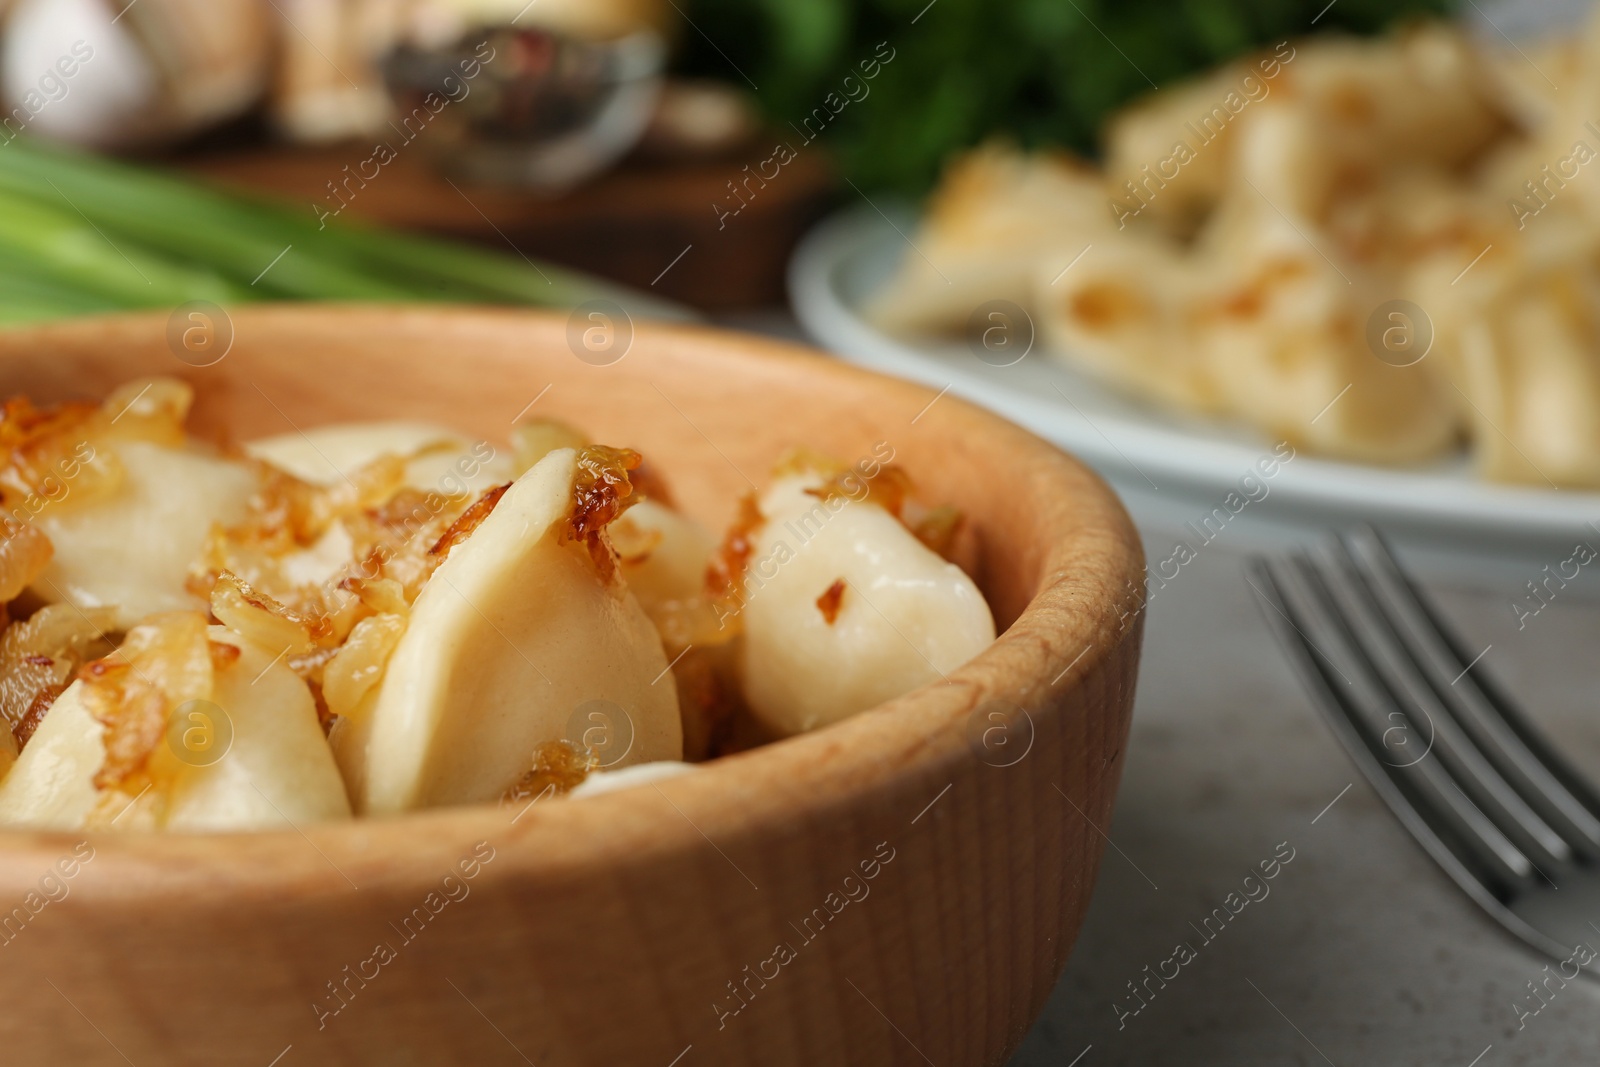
{"points": [[81, 71]]}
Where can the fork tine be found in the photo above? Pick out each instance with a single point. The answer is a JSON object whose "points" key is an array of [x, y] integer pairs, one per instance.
{"points": [[1376, 634], [1522, 755], [1458, 836]]}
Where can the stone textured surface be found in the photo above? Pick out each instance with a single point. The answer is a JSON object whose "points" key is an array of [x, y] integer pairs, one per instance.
{"points": [[1364, 951]]}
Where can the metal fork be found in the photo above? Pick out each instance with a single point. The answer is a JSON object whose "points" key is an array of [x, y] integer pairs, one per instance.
{"points": [[1455, 760]]}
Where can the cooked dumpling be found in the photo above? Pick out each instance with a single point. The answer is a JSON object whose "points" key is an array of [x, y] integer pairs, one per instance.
{"points": [[279, 768], [844, 608], [436, 459], [131, 549], [523, 623], [1124, 315], [51, 785], [663, 554], [136, 501], [998, 216], [1529, 361], [602, 782], [186, 727]]}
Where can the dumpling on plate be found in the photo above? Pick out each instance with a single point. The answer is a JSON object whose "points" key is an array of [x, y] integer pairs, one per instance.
{"points": [[996, 218], [1124, 316], [1525, 356]]}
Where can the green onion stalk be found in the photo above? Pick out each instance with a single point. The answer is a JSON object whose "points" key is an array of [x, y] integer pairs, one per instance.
{"points": [[82, 234]]}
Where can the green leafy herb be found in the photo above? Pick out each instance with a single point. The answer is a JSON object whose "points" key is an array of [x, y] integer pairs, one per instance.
{"points": [[1039, 71]]}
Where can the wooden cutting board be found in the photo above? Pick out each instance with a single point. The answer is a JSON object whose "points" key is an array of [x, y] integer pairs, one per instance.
{"points": [[653, 225]]}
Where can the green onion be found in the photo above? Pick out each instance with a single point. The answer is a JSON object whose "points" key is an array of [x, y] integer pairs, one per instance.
{"points": [[26, 296], [63, 248], [100, 232]]}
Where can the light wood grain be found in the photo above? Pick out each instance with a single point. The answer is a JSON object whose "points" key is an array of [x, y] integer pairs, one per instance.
{"points": [[604, 930]]}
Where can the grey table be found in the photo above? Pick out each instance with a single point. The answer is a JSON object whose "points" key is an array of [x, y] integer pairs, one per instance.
{"points": [[1361, 951]]}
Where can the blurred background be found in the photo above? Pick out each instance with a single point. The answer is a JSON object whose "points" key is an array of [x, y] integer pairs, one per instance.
{"points": [[602, 135]]}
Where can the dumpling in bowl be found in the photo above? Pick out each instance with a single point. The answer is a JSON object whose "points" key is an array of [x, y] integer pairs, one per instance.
{"points": [[524, 625], [184, 727], [436, 459], [843, 606], [134, 501]]}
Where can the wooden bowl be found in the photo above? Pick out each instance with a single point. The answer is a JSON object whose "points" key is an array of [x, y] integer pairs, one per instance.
{"points": [[903, 887]]}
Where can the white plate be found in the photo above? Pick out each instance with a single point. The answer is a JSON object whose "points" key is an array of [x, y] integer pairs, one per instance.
{"points": [[1150, 451]]}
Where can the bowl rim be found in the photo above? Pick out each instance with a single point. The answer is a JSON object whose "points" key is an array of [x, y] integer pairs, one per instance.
{"points": [[1063, 633]]}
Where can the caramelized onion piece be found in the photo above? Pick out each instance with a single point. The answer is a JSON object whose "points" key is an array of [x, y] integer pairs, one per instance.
{"points": [[259, 618], [318, 552], [828, 603], [24, 552], [43, 700], [725, 576], [359, 664], [382, 595], [936, 527], [601, 491], [890, 488], [559, 767], [56, 453], [38, 657], [148, 409], [469, 521], [47, 454], [164, 662]]}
